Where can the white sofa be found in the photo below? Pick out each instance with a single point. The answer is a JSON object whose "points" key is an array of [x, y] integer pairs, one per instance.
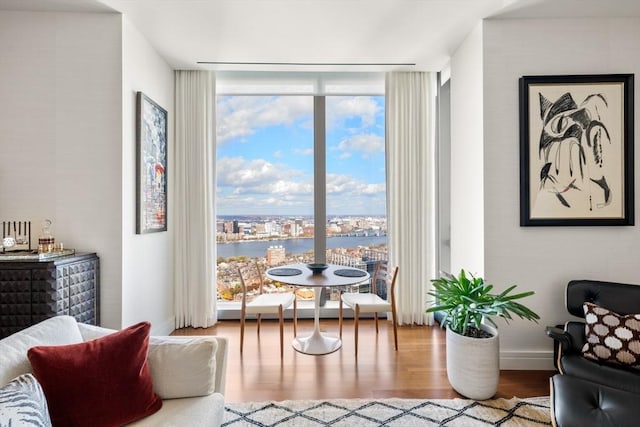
{"points": [[188, 373]]}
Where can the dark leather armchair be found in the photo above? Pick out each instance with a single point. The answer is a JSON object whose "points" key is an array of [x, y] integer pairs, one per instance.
{"points": [[623, 299], [588, 389]]}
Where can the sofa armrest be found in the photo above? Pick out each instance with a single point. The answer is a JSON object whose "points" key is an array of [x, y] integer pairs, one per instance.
{"points": [[221, 363]]}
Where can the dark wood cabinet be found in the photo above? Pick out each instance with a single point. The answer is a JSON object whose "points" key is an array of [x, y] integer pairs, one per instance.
{"points": [[34, 290]]}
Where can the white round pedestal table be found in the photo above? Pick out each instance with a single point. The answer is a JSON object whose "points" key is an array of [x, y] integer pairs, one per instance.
{"points": [[317, 343]]}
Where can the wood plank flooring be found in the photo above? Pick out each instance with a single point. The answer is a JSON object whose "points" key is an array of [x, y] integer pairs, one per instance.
{"points": [[416, 370]]}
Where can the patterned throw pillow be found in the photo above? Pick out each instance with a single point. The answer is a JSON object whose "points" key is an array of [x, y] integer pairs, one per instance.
{"points": [[22, 403], [611, 337]]}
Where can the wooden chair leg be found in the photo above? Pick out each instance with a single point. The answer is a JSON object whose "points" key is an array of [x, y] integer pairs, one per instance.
{"points": [[356, 318], [241, 333], [259, 319], [375, 315], [281, 331], [395, 326], [340, 317], [295, 318]]}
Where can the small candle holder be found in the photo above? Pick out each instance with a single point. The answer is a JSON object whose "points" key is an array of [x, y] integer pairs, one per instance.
{"points": [[16, 234]]}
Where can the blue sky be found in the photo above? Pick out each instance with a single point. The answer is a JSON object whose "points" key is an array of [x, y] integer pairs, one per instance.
{"points": [[265, 155]]}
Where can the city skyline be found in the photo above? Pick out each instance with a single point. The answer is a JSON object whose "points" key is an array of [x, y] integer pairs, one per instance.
{"points": [[235, 227], [265, 155]]}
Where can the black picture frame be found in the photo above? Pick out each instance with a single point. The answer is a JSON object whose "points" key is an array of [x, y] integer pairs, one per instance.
{"points": [[576, 150], [151, 170]]}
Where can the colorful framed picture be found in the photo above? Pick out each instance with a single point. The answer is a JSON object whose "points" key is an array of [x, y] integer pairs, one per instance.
{"points": [[151, 178], [576, 150]]}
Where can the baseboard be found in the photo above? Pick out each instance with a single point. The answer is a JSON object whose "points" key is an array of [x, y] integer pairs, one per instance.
{"points": [[164, 328], [527, 360]]}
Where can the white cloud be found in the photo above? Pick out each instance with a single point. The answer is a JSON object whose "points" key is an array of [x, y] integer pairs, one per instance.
{"points": [[266, 187], [349, 186], [260, 187], [239, 116], [305, 152], [261, 177], [271, 205], [236, 171], [345, 107], [347, 195], [367, 144]]}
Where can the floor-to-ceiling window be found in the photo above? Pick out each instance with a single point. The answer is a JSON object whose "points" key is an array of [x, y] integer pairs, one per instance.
{"points": [[267, 162], [356, 227]]}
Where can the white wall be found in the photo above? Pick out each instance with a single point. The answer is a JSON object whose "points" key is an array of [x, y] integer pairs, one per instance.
{"points": [[61, 132], [68, 149], [147, 279], [544, 259], [467, 183]]}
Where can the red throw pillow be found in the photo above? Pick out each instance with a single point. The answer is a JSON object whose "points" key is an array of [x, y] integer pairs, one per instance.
{"points": [[103, 382]]}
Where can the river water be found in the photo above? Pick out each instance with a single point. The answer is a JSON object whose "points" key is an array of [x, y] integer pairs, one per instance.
{"points": [[253, 249]]}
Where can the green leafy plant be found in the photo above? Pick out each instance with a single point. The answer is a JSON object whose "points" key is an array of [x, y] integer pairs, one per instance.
{"points": [[466, 301]]}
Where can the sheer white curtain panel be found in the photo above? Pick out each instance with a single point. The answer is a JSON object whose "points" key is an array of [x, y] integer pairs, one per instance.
{"points": [[410, 145], [195, 186]]}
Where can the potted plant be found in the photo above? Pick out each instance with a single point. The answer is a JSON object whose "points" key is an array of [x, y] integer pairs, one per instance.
{"points": [[472, 345]]}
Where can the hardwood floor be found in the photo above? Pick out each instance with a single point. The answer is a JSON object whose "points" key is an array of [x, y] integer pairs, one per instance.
{"points": [[416, 370]]}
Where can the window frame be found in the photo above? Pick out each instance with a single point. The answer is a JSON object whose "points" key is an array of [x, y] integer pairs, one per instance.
{"points": [[318, 85]]}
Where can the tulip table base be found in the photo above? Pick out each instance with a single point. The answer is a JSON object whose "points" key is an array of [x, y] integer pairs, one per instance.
{"points": [[317, 343]]}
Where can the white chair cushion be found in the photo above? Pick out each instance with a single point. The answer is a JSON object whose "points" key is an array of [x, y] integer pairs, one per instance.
{"points": [[269, 303], [367, 302]]}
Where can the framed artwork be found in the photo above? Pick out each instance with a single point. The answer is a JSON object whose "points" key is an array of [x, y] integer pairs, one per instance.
{"points": [[151, 177], [576, 150]]}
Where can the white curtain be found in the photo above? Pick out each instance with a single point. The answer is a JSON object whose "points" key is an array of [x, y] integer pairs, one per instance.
{"points": [[410, 145], [195, 186]]}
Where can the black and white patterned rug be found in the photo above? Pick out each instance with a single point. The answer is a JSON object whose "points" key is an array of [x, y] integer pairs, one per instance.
{"points": [[390, 412]]}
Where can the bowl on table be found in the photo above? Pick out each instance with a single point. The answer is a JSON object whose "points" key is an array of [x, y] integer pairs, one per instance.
{"points": [[317, 268]]}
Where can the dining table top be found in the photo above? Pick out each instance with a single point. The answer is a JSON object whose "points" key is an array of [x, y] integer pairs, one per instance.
{"points": [[345, 275]]}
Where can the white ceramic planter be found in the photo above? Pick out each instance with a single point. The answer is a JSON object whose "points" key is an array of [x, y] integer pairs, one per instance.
{"points": [[473, 364]]}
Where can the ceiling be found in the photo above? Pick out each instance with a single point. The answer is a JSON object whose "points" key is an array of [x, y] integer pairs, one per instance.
{"points": [[318, 35]]}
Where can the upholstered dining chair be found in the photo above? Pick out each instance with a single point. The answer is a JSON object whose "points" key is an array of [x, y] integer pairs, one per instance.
{"points": [[372, 303], [264, 303]]}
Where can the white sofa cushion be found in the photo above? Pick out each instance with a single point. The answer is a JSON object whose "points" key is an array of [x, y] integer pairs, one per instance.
{"points": [[91, 332], [180, 366], [58, 330], [207, 410], [194, 412], [183, 366]]}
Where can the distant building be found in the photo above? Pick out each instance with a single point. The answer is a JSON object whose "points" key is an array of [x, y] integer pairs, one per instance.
{"points": [[275, 255], [286, 229]]}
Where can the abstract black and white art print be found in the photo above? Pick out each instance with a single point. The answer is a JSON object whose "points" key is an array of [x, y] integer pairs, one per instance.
{"points": [[576, 150]]}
